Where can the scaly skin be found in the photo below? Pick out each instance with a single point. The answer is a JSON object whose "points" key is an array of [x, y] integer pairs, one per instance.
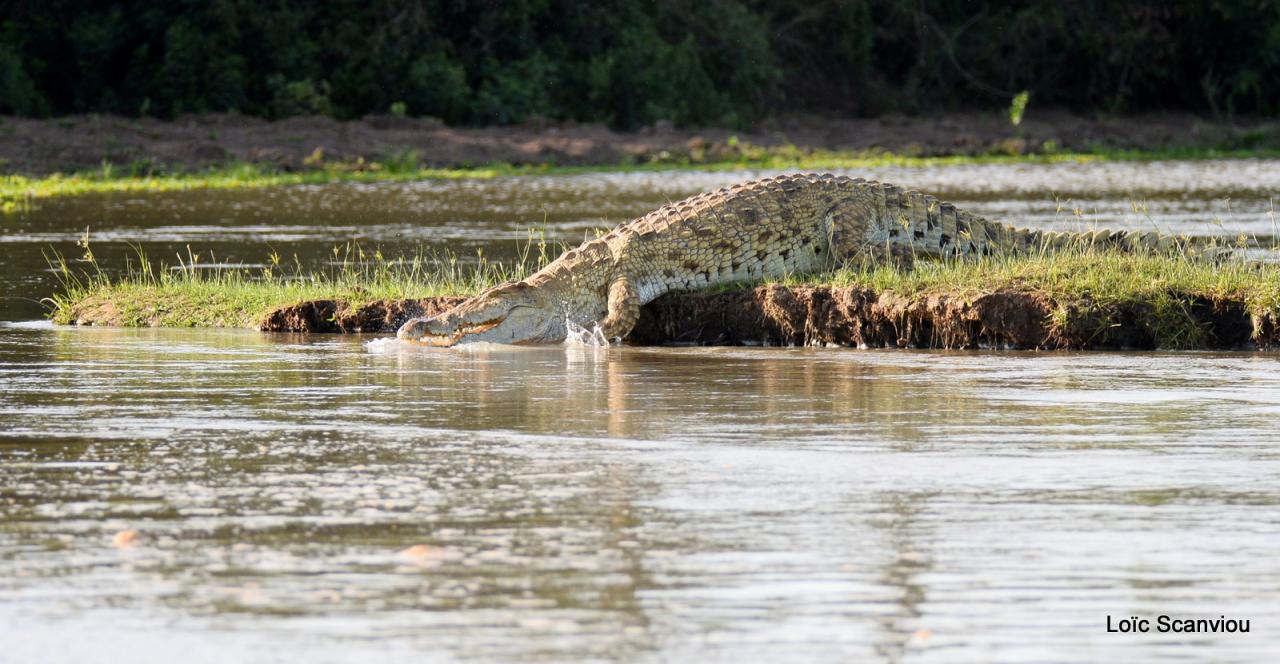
{"points": [[765, 228]]}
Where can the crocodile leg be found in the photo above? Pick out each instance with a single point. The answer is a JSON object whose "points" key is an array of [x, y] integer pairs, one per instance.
{"points": [[624, 309], [849, 224]]}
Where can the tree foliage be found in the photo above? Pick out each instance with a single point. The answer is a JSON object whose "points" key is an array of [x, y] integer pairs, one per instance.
{"points": [[631, 63]]}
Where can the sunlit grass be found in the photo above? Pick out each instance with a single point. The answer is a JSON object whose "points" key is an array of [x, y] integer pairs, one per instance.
{"points": [[19, 192], [1100, 275], [196, 292]]}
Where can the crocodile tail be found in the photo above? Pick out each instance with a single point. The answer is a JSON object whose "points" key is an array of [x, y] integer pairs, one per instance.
{"points": [[1126, 241], [983, 237], [936, 228], [965, 234], [930, 227]]}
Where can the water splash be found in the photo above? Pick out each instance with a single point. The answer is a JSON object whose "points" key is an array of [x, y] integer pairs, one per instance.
{"points": [[577, 335], [383, 345], [392, 346]]}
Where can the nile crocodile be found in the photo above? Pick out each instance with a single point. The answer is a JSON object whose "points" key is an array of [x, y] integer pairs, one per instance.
{"points": [[761, 229]]}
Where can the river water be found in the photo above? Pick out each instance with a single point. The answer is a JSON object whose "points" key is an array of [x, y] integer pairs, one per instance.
{"points": [[226, 495]]}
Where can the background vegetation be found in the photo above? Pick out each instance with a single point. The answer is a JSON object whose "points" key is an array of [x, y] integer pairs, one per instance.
{"points": [[631, 63]]}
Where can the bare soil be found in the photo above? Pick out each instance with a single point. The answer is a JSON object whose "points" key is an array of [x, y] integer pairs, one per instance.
{"points": [[35, 146], [850, 316], [335, 316]]}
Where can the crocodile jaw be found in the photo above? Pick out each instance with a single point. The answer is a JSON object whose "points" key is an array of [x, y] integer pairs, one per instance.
{"points": [[520, 324], [443, 339]]}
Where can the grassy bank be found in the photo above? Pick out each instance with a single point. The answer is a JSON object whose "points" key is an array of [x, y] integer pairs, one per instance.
{"points": [[1086, 289], [192, 294], [1082, 291], [20, 192]]}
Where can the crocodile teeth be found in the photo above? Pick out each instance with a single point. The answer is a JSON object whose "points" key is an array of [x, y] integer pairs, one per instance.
{"points": [[447, 340], [438, 340]]}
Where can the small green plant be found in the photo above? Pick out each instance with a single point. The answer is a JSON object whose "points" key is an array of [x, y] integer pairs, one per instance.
{"points": [[142, 168], [315, 159], [1018, 107], [402, 162]]}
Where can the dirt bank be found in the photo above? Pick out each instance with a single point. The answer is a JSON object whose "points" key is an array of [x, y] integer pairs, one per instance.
{"points": [[334, 316], [36, 147], [859, 317]]}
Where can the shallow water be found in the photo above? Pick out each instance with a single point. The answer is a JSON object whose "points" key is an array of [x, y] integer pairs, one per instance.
{"points": [[217, 495], [655, 504]]}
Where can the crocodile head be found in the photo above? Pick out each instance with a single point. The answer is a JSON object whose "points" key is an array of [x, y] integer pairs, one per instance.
{"points": [[508, 314]]}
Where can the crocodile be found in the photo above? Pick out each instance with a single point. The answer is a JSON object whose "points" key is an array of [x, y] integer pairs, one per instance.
{"points": [[767, 228]]}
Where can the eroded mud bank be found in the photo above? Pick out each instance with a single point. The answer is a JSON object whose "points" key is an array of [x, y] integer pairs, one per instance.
{"points": [[335, 316], [855, 316]]}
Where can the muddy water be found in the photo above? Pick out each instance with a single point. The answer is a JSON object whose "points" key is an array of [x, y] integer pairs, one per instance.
{"points": [[235, 496], [652, 504]]}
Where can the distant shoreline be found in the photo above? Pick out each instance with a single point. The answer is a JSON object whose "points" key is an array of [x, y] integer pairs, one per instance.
{"points": [[76, 144], [102, 154]]}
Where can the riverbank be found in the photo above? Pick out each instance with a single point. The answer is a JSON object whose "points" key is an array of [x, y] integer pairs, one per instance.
{"points": [[86, 154], [1075, 301], [19, 193]]}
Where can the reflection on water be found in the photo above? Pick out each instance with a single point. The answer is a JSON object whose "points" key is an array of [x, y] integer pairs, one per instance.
{"points": [[338, 502], [1193, 197], [219, 495]]}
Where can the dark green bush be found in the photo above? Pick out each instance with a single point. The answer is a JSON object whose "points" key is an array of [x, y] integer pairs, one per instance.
{"points": [[289, 98], [436, 85], [631, 63], [18, 93]]}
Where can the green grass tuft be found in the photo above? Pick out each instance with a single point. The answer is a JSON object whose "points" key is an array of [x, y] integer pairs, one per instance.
{"points": [[194, 293]]}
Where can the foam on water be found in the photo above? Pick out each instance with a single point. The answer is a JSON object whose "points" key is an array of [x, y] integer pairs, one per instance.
{"points": [[384, 345], [392, 345], [578, 335]]}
